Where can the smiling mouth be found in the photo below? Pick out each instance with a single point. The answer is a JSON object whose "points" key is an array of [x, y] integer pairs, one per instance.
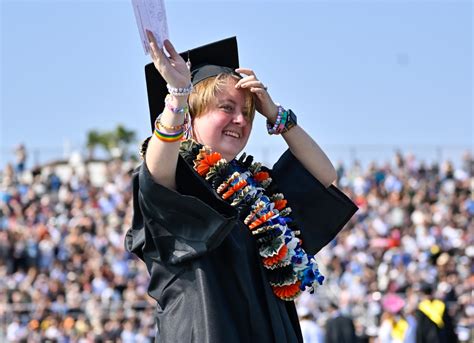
{"points": [[232, 134]]}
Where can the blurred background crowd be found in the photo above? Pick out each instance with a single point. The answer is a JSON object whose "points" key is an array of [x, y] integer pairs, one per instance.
{"points": [[65, 276]]}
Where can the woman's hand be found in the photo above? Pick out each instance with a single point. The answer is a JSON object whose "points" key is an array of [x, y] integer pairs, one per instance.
{"points": [[264, 103], [173, 68]]}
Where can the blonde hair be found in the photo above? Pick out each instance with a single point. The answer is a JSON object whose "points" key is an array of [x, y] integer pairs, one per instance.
{"points": [[205, 92]]}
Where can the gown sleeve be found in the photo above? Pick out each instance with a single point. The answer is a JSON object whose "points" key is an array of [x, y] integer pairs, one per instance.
{"points": [[176, 226], [320, 213]]}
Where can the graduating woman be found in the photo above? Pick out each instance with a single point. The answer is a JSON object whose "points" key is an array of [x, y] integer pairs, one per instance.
{"points": [[229, 244]]}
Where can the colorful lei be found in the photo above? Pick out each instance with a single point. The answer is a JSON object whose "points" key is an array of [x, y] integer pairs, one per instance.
{"points": [[248, 187]]}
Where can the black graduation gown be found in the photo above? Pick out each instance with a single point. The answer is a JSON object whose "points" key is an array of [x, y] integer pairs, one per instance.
{"points": [[206, 274], [428, 332], [340, 329]]}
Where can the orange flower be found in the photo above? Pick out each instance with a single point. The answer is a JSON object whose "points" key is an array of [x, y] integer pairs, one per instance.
{"points": [[280, 204], [207, 162], [261, 220], [270, 261], [260, 176], [287, 292]]}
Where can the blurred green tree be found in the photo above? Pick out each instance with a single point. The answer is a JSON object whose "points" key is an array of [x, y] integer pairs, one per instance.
{"points": [[115, 143]]}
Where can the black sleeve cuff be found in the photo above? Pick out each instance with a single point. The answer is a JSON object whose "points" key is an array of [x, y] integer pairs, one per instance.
{"points": [[320, 212]]}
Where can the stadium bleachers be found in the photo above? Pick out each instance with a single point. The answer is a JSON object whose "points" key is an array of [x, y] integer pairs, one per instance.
{"points": [[64, 272]]}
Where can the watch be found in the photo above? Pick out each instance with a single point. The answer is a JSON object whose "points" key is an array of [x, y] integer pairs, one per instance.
{"points": [[291, 121]]}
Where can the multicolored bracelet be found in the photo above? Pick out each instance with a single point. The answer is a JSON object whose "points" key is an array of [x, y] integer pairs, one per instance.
{"points": [[280, 122], [272, 128], [176, 110], [284, 118], [177, 131], [159, 124], [169, 137], [284, 122]]}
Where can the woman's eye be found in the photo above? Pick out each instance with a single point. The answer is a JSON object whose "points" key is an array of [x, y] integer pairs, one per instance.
{"points": [[227, 108]]}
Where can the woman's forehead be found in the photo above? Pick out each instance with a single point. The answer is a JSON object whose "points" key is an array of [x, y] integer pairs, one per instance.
{"points": [[228, 92]]}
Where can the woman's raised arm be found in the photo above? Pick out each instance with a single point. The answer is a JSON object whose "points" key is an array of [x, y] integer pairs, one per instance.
{"points": [[301, 145], [162, 156]]}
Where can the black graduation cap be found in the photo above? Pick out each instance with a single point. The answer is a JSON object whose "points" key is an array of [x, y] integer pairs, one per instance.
{"points": [[206, 61]]}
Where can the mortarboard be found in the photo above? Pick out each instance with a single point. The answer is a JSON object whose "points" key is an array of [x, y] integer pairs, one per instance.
{"points": [[206, 61]]}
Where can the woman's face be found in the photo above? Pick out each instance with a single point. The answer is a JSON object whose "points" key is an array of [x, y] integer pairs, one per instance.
{"points": [[224, 127]]}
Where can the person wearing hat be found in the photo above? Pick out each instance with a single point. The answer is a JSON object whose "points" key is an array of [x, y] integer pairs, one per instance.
{"points": [[229, 244], [397, 326]]}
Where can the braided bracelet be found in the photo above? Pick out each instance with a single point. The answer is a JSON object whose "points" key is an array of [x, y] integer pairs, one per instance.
{"points": [[281, 127], [175, 110]]}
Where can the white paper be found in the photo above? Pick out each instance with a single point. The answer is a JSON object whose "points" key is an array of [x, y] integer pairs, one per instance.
{"points": [[151, 15]]}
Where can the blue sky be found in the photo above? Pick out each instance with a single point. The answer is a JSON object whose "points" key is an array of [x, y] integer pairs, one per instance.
{"points": [[364, 75]]}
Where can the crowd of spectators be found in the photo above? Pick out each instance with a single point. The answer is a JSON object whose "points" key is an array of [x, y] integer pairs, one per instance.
{"points": [[65, 276], [413, 228]]}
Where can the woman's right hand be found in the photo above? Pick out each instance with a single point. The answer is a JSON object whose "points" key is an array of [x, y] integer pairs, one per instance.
{"points": [[173, 68]]}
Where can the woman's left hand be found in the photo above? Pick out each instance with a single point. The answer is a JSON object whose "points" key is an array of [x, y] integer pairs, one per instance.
{"points": [[264, 103]]}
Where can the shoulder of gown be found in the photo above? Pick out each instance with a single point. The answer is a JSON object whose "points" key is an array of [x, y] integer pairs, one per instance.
{"points": [[175, 226], [320, 213]]}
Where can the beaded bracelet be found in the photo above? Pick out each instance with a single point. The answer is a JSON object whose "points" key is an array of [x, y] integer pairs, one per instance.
{"points": [[158, 124], [280, 122], [144, 147], [175, 110], [177, 91], [272, 128]]}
